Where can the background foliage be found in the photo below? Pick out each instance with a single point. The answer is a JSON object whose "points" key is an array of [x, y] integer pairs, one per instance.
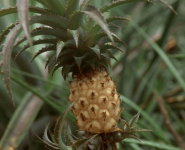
{"points": [[151, 70]]}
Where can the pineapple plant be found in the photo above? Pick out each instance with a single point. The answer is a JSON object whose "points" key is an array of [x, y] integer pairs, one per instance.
{"points": [[82, 45], [86, 140]]}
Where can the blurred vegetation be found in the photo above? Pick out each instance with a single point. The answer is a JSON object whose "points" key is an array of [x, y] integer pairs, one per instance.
{"points": [[151, 69]]}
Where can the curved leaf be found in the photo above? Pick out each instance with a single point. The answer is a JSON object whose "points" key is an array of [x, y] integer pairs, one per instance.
{"points": [[96, 50], [115, 18], [50, 20], [117, 39], [76, 20], [45, 49], [59, 129], [48, 141], [75, 34], [170, 7], [59, 33], [79, 60], [22, 6], [40, 41], [92, 40], [6, 56], [72, 5], [34, 9], [96, 15], [83, 4], [51, 62], [120, 2], [6, 31], [79, 144], [60, 46], [110, 46], [56, 6]]}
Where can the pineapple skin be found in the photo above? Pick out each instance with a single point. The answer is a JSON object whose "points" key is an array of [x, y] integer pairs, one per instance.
{"points": [[98, 107]]}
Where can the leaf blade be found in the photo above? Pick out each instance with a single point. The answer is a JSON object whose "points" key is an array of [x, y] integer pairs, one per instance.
{"points": [[96, 15], [6, 56], [23, 9]]}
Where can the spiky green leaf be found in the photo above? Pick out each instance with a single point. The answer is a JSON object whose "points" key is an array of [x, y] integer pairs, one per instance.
{"points": [[66, 69], [6, 56], [75, 34], [60, 46], [61, 126], [37, 42], [6, 31], [139, 130], [92, 63], [134, 120], [51, 62], [68, 133], [96, 50], [48, 141], [83, 4], [23, 8], [169, 6], [56, 6], [96, 15], [93, 39], [43, 50], [76, 20], [41, 140], [106, 57], [117, 39], [120, 2], [111, 54], [79, 60], [34, 9], [59, 33], [72, 5], [89, 23], [50, 20], [80, 143], [110, 46], [116, 18]]}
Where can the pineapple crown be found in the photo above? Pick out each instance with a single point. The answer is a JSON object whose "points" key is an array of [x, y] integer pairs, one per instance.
{"points": [[82, 39], [85, 140]]}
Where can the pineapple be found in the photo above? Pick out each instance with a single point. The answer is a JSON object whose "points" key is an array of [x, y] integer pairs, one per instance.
{"points": [[81, 44], [98, 107]]}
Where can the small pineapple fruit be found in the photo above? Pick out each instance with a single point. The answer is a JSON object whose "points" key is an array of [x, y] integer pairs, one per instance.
{"points": [[98, 107]]}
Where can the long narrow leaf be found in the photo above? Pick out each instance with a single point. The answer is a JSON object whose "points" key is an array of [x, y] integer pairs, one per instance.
{"points": [[152, 144], [20, 122], [162, 55], [96, 15], [6, 56], [23, 9], [170, 7]]}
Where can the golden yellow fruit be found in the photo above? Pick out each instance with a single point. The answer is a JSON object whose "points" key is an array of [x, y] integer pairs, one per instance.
{"points": [[98, 107]]}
